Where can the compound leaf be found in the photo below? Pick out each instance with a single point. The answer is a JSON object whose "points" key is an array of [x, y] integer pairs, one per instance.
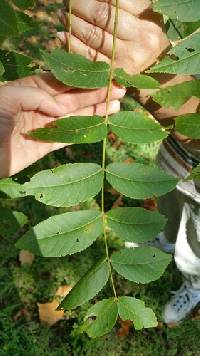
{"points": [[88, 286], [16, 65], [184, 58], [11, 188], [63, 234], [140, 265], [74, 129], [66, 185], [189, 125], [176, 95], [100, 318], [1, 69], [139, 181], [8, 20], [135, 224], [11, 221], [195, 173], [76, 70], [184, 11], [24, 4], [140, 81], [24, 22], [133, 309], [136, 127]]}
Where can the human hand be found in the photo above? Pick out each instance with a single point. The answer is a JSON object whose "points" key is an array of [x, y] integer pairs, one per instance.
{"points": [[140, 36], [34, 102]]}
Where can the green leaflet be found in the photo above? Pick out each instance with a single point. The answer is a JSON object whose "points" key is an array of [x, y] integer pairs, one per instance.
{"points": [[1, 68], [11, 221], [128, 103], [134, 309], [66, 185], [140, 81], [140, 265], [74, 129], [8, 20], [182, 10], [100, 318], [139, 181], [63, 234], [24, 22], [135, 224], [75, 70], [184, 57], [189, 125], [136, 127], [88, 286], [24, 4], [176, 95], [16, 65], [11, 188], [195, 174]]}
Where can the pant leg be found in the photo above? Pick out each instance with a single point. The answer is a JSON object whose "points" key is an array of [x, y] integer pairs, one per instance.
{"points": [[170, 205], [187, 248], [182, 208]]}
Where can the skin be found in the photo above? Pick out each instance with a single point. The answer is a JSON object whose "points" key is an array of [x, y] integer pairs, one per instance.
{"points": [[141, 40], [140, 36], [34, 102]]}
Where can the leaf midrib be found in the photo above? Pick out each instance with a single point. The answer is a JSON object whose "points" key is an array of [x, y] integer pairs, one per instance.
{"points": [[72, 182], [139, 179], [76, 70], [129, 223], [70, 231]]}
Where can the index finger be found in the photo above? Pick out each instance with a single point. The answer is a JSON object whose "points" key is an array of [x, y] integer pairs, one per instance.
{"points": [[136, 7]]}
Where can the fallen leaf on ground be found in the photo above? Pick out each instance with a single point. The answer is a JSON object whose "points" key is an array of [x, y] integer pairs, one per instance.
{"points": [[23, 313], [47, 311], [26, 257], [129, 160], [62, 291], [150, 204], [125, 328]]}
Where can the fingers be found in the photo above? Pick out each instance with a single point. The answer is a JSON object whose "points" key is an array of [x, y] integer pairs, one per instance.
{"points": [[136, 7], [102, 14], [15, 99], [44, 81], [94, 36], [79, 99], [99, 109], [77, 46]]}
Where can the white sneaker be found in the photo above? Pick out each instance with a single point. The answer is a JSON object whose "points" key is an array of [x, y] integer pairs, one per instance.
{"points": [[160, 242], [181, 304]]}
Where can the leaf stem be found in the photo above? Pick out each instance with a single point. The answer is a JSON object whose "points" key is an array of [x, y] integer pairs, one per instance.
{"points": [[108, 98], [69, 21]]}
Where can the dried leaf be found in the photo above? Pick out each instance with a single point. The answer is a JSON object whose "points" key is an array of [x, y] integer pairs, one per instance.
{"points": [[48, 313], [125, 328], [26, 257], [62, 291], [150, 204]]}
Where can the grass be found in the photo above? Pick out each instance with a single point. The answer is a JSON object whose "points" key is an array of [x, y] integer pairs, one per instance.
{"points": [[22, 287]]}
